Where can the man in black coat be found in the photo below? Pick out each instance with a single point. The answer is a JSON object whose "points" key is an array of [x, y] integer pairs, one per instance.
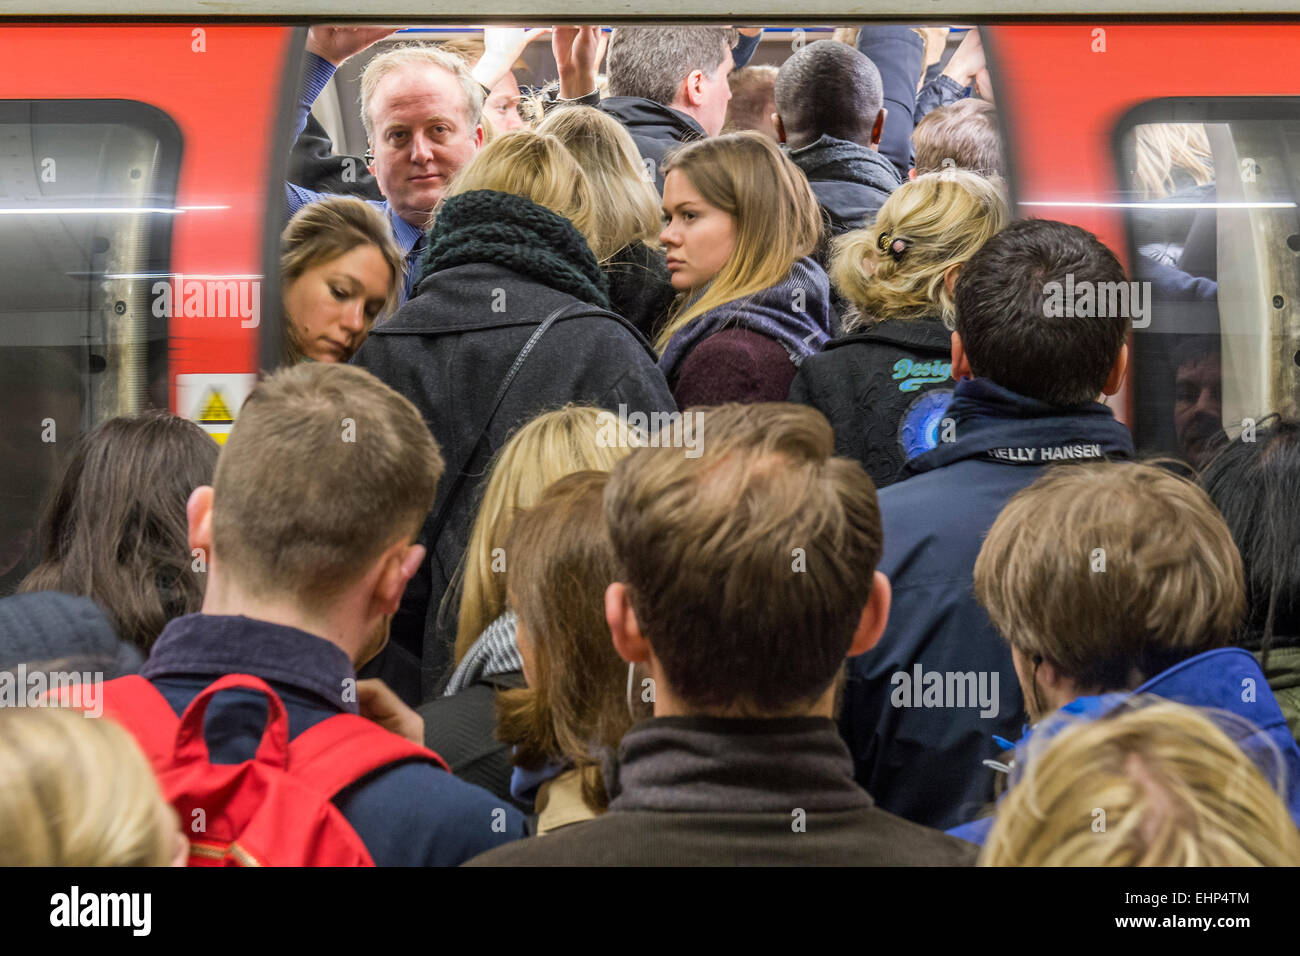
{"points": [[830, 116], [742, 647], [499, 266], [661, 106]]}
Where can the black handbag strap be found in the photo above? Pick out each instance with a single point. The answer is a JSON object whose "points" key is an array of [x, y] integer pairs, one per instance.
{"points": [[458, 482]]}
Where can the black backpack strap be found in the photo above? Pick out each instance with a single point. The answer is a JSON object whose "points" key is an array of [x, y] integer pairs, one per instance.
{"points": [[458, 482]]}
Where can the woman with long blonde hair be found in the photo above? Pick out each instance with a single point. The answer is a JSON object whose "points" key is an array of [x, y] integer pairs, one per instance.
{"points": [[486, 655], [884, 386], [512, 271], [627, 213], [740, 225]]}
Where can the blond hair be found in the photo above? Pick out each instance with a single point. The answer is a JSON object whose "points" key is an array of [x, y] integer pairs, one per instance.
{"points": [[1158, 785], [961, 135], [943, 219], [77, 791], [1111, 572], [325, 468], [627, 209], [538, 167], [777, 219], [405, 57], [322, 231], [543, 451], [1162, 148]]}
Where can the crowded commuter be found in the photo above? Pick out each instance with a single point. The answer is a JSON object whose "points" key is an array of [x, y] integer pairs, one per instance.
{"points": [[574, 709], [307, 533], [1025, 398], [460, 725], [741, 764], [886, 383], [740, 224], [627, 216], [114, 530], [668, 85], [1118, 577], [753, 104], [1255, 483], [340, 271], [830, 116], [962, 135], [510, 255], [1158, 785], [78, 792]]}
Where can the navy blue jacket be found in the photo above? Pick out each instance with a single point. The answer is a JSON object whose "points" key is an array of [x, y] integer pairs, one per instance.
{"points": [[412, 814], [1227, 679], [924, 763]]}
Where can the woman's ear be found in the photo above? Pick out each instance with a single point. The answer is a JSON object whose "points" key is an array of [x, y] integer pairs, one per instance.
{"points": [[950, 278]]}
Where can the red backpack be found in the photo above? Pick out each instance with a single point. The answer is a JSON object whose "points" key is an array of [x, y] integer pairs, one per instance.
{"points": [[272, 810]]}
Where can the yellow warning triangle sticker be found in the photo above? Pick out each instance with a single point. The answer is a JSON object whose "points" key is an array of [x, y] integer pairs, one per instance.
{"points": [[215, 410]]}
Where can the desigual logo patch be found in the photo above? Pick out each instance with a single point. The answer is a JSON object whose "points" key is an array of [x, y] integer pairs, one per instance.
{"points": [[919, 430], [912, 375]]}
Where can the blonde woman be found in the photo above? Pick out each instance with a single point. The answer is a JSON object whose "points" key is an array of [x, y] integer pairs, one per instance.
{"points": [[627, 215], [460, 724], [77, 791], [340, 270], [516, 242], [1162, 785], [885, 385], [740, 225]]}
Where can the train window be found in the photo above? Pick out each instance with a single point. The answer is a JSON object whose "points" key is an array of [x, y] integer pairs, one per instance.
{"points": [[87, 197], [1209, 190]]}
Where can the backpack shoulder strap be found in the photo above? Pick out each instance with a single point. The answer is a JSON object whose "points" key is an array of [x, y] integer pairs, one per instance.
{"points": [[142, 709], [340, 750]]}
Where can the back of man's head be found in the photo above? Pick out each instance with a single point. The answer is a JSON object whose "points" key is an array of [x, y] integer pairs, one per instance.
{"points": [[828, 88], [652, 62], [1009, 323], [1111, 572], [748, 567], [752, 101], [961, 135], [326, 467]]}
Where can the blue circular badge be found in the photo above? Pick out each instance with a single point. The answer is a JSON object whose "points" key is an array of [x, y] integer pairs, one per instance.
{"points": [[919, 430]]}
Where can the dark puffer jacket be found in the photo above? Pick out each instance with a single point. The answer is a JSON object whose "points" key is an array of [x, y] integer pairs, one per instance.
{"points": [[655, 129]]}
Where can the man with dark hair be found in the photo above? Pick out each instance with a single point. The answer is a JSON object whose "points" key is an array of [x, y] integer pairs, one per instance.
{"points": [[747, 574], [668, 85], [1029, 368], [830, 115]]}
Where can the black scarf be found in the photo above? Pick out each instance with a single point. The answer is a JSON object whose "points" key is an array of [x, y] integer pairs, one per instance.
{"points": [[508, 230]]}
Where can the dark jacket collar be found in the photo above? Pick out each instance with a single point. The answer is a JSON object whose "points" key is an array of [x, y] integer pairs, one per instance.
{"points": [[839, 160], [212, 645], [715, 765], [927, 333], [996, 424], [648, 118]]}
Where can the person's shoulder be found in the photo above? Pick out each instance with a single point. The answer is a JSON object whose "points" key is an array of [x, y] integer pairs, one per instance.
{"points": [[897, 842], [592, 842]]}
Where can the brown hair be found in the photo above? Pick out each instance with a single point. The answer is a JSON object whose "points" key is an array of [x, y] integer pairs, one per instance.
{"points": [[1112, 572], [561, 561], [749, 566], [963, 135], [1168, 786], [322, 231], [325, 468], [777, 218], [753, 98], [116, 531]]}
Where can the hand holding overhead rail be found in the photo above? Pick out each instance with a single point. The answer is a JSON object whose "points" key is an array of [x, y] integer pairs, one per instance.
{"points": [[502, 47], [967, 60], [336, 44], [578, 51]]}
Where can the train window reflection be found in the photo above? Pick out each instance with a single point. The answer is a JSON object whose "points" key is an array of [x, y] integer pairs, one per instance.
{"points": [[85, 221]]}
